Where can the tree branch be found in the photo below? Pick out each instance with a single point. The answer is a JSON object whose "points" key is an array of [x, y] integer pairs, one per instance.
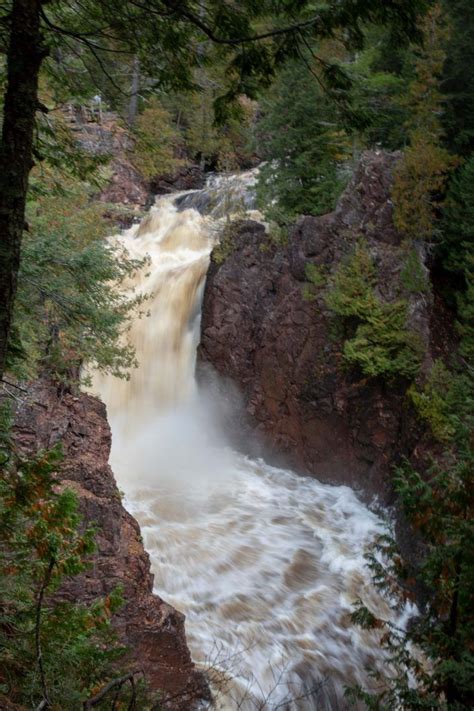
{"points": [[39, 654], [119, 682]]}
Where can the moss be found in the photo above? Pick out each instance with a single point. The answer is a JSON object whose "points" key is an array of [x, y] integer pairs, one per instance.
{"points": [[278, 235], [317, 279], [227, 243]]}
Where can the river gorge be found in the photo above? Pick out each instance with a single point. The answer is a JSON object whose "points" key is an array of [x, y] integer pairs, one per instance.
{"points": [[266, 564]]}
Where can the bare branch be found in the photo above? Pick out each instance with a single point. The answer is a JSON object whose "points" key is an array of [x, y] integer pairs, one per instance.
{"points": [[39, 654], [114, 684]]}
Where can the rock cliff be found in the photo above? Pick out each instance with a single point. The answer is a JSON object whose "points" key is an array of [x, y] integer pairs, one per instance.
{"points": [[151, 629], [259, 330]]}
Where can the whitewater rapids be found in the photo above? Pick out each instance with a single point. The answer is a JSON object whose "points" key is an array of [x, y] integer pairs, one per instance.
{"points": [[265, 564]]}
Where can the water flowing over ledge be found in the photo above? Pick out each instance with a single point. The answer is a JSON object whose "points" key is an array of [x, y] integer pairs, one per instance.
{"points": [[264, 563]]}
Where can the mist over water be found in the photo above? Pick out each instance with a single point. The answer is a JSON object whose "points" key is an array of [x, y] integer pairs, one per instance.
{"points": [[264, 563]]}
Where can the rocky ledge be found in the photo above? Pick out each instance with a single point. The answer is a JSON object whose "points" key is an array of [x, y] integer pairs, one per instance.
{"points": [[260, 331], [151, 629]]}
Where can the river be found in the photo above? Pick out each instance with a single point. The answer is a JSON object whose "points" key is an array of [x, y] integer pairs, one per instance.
{"points": [[265, 564]]}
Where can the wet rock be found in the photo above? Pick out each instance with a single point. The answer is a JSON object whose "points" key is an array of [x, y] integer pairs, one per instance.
{"points": [[280, 349], [187, 177], [151, 629]]}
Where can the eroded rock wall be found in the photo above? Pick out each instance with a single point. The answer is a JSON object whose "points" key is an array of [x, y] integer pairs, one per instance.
{"points": [[279, 348], [152, 630]]}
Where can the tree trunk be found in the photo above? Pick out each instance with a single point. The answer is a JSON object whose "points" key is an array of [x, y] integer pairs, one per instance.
{"points": [[24, 57], [133, 103]]}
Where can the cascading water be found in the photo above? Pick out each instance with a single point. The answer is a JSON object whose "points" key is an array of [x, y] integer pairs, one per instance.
{"points": [[264, 563]]}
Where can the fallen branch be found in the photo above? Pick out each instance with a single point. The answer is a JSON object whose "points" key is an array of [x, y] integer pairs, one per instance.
{"points": [[13, 385]]}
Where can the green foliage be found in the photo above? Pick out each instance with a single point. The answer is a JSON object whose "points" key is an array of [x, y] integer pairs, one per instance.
{"points": [[381, 74], [303, 144], [422, 173], [420, 179], [226, 244], [157, 141], [50, 650], [433, 401], [317, 279], [69, 309], [381, 345], [456, 249], [278, 234], [224, 145], [458, 77], [315, 274], [430, 664], [352, 291], [412, 276]]}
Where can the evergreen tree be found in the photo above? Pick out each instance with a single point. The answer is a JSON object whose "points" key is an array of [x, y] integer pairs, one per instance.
{"points": [[53, 654], [302, 143], [69, 309], [166, 37], [430, 663], [456, 248], [157, 141], [422, 174], [458, 77]]}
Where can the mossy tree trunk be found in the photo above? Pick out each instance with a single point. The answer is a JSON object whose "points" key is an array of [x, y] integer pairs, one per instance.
{"points": [[24, 57]]}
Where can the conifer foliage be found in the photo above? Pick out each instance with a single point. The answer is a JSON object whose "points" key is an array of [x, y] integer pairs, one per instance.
{"points": [[53, 654], [430, 664]]}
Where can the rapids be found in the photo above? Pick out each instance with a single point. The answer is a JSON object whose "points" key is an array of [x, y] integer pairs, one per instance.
{"points": [[264, 563]]}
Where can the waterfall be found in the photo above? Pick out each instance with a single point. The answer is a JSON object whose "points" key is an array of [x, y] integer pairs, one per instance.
{"points": [[264, 563]]}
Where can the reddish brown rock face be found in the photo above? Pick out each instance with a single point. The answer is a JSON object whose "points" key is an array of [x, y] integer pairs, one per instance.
{"points": [[259, 330], [152, 629]]}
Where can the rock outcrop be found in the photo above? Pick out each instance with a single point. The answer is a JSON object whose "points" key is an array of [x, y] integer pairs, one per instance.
{"points": [[151, 629], [103, 135], [278, 347], [186, 177]]}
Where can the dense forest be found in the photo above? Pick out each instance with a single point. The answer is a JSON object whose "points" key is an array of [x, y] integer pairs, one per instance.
{"points": [[302, 89]]}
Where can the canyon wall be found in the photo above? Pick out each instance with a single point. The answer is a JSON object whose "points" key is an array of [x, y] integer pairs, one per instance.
{"points": [[152, 630], [278, 347]]}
